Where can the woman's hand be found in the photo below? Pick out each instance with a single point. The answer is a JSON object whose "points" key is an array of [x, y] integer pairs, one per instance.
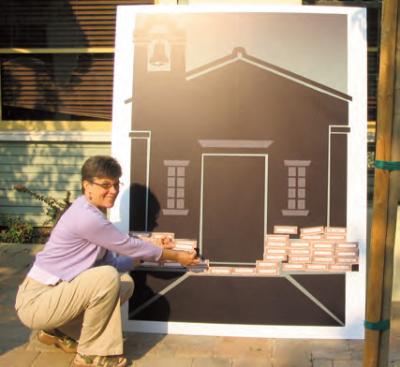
{"points": [[185, 258], [167, 242]]}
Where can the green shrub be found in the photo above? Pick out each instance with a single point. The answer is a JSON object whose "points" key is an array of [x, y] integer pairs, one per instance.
{"points": [[17, 231], [54, 207]]}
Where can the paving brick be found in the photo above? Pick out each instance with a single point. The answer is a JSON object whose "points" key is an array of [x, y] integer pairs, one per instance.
{"points": [[330, 349], [187, 346], [18, 357], [347, 363], [16, 335], [211, 362], [289, 353], [230, 347], [154, 361], [322, 362], [251, 362], [34, 345], [59, 359], [356, 348], [137, 345]]}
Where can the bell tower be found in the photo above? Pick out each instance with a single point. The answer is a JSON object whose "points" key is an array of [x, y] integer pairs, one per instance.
{"points": [[159, 46]]}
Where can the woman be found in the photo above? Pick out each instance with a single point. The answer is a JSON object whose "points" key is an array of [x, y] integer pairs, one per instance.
{"points": [[74, 289]]}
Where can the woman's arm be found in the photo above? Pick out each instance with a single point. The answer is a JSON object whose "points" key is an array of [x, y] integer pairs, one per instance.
{"points": [[185, 258]]}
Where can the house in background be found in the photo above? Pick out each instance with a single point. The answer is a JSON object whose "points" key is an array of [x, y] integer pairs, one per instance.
{"points": [[233, 147]]}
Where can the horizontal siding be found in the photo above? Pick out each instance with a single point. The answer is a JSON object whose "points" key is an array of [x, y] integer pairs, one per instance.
{"points": [[47, 169]]}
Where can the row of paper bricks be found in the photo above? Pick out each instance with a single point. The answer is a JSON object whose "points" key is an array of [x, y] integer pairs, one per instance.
{"points": [[179, 243], [262, 268], [280, 238], [306, 252], [313, 233], [276, 268]]}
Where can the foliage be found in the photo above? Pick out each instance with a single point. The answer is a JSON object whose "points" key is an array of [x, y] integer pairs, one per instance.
{"points": [[54, 207], [17, 231]]}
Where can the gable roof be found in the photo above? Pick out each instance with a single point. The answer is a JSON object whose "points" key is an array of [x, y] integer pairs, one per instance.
{"points": [[239, 54]]}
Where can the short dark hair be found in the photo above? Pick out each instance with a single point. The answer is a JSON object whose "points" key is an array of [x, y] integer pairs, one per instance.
{"points": [[101, 166]]}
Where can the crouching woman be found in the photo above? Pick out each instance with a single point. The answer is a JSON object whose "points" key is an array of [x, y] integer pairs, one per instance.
{"points": [[73, 292]]}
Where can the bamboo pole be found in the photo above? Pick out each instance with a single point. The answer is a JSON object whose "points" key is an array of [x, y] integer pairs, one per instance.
{"points": [[382, 214], [394, 195]]}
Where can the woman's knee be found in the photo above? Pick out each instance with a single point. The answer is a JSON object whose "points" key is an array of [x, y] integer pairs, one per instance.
{"points": [[127, 287], [107, 277]]}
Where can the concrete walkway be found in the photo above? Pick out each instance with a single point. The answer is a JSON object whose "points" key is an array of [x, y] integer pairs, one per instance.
{"points": [[19, 348]]}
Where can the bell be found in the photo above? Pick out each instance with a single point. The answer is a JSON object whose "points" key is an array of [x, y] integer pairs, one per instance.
{"points": [[159, 56]]}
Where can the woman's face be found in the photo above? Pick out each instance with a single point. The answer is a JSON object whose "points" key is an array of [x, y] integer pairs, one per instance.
{"points": [[102, 192]]}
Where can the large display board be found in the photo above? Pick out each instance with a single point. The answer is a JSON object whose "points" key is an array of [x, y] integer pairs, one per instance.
{"points": [[228, 121]]}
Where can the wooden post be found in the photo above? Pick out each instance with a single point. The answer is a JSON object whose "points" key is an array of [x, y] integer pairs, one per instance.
{"points": [[380, 269]]}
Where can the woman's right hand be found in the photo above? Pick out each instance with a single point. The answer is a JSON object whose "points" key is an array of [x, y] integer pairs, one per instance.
{"points": [[186, 258]]}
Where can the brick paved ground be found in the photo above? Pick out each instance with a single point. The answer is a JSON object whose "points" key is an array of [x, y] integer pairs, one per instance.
{"points": [[19, 348]]}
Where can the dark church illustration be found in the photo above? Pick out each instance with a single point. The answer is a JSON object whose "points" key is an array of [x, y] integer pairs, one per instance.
{"points": [[222, 153]]}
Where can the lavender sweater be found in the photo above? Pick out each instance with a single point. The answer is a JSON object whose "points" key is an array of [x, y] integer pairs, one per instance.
{"points": [[82, 233]]}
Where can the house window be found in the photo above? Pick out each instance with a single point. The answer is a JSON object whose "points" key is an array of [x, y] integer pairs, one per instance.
{"points": [[176, 172], [296, 202]]}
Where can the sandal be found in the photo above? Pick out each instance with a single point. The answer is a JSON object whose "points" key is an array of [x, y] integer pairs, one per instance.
{"points": [[82, 360], [58, 339]]}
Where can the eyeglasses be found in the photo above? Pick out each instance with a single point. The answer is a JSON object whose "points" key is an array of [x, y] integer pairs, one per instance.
{"points": [[108, 185]]}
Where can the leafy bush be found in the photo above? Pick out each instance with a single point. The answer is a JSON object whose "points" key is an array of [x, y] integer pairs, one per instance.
{"points": [[17, 231], [54, 207]]}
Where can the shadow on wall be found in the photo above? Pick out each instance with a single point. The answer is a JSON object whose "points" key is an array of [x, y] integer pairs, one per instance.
{"points": [[140, 198]]}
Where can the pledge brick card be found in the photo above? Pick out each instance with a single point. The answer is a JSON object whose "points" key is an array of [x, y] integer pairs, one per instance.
{"points": [[275, 251], [317, 267], [223, 270], [346, 252], [346, 245], [324, 259], [286, 230], [267, 271], [185, 245], [293, 267], [275, 257], [323, 245], [159, 235], [266, 264], [243, 271], [339, 267], [335, 236], [311, 236], [299, 244], [346, 260], [323, 252], [300, 251], [336, 230], [276, 244], [299, 259], [276, 238], [312, 230]]}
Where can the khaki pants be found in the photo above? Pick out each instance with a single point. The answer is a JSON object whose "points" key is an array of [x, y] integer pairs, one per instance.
{"points": [[87, 308]]}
